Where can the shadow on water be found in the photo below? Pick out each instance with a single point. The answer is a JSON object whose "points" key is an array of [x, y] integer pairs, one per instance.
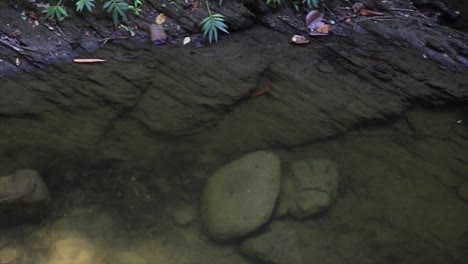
{"points": [[126, 182]]}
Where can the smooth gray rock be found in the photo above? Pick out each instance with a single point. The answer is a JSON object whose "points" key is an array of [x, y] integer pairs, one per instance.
{"points": [[23, 196], [278, 245], [24, 186], [240, 197], [315, 185]]}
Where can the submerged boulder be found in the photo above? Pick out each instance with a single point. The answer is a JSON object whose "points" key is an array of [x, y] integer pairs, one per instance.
{"points": [[23, 195], [315, 184], [240, 196], [279, 244]]}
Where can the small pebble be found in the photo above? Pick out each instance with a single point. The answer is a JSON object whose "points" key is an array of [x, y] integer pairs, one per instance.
{"points": [[184, 215]]}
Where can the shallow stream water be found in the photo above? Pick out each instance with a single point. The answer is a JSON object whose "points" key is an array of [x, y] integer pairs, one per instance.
{"points": [[397, 201]]}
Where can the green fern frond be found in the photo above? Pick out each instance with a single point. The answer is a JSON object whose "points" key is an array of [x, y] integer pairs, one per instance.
{"points": [[212, 23], [210, 26], [117, 9], [56, 12], [275, 2], [311, 3], [136, 7], [88, 4]]}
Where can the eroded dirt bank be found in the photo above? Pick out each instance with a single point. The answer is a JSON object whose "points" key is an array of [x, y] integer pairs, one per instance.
{"points": [[29, 42]]}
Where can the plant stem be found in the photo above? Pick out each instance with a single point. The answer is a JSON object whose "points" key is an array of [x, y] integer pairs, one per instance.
{"points": [[208, 7]]}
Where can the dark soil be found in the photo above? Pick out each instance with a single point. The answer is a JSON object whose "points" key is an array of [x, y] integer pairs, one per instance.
{"points": [[27, 41]]}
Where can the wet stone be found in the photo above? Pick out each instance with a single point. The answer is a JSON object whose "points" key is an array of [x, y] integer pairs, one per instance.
{"points": [[23, 196], [277, 245], [325, 68], [240, 196], [184, 215], [315, 186]]}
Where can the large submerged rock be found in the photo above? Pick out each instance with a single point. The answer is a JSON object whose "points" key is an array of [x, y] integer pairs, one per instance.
{"points": [[315, 183], [23, 187], [279, 244], [23, 196], [240, 197]]}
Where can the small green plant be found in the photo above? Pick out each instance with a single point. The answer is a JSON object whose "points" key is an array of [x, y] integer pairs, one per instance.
{"points": [[211, 24], [311, 3], [274, 2], [56, 12], [88, 4], [116, 8], [135, 7]]}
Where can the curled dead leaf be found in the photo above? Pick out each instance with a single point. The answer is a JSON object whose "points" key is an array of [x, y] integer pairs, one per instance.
{"points": [[370, 13], [314, 20], [323, 29], [298, 39], [161, 18]]}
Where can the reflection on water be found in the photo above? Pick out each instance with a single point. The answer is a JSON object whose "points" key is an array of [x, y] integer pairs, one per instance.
{"points": [[397, 203]]}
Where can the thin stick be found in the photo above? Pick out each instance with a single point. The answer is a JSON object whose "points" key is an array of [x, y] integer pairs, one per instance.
{"points": [[105, 40], [381, 18], [402, 9], [326, 7], [376, 18]]}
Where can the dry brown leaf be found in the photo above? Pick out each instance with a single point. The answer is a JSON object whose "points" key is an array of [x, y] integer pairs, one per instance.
{"points": [[314, 20], [263, 90], [323, 29], [160, 19], [88, 60]]}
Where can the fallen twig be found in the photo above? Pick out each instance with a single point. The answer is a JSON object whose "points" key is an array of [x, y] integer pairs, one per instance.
{"points": [[328, 9], [402, 9], [12, 43], [105, 40]]}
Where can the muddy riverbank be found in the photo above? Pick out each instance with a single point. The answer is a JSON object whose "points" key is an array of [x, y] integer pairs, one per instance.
{"points": [[29, 42]]}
